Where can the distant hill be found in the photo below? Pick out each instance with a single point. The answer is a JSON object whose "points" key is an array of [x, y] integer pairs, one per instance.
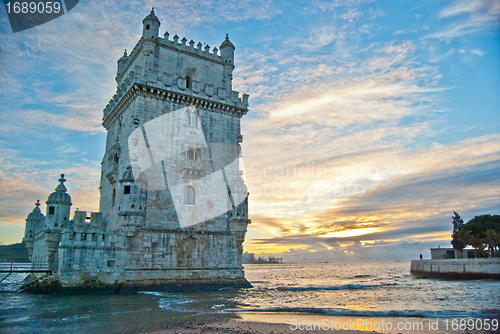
{"points": [[14, 253]]}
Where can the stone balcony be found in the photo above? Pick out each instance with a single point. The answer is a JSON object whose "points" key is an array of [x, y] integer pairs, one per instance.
{"points": [[191, 164], [112, 173], [192, 167]]}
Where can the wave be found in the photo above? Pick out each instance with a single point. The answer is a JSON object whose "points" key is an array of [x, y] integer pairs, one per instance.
{"points": [[257, 282], [334, 287], [485, 313], [152, 293], [360, 276]]}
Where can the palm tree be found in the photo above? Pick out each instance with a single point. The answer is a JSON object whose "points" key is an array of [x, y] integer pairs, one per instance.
{"points": [[479, 247], [465, 239], [491, 238]]}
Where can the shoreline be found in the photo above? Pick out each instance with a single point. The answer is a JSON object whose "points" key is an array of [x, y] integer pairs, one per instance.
{"points": [[245, 327], [259, 323]]}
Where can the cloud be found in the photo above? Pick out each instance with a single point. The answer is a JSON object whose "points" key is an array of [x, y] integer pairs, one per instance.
{"points": [[477, 52], [471, 16], [322, 36], [24, 180], [359, 113], [183, 14], [413, 197]]}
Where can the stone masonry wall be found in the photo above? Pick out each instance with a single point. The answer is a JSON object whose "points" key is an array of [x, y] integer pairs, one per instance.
{"points": [[459, 268]]}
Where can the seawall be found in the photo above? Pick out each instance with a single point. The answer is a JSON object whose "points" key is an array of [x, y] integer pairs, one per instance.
{"points": [[50, 285], [456, 268]]}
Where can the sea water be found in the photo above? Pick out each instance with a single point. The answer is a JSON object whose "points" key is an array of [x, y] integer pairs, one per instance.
{"points": [[375, 290]]}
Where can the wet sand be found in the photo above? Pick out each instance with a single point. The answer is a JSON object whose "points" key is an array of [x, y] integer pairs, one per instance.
{"points": [[262, 322], [244, 327]]}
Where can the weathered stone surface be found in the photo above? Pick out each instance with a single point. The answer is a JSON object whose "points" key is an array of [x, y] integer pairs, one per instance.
{"points": [[136, 240]]}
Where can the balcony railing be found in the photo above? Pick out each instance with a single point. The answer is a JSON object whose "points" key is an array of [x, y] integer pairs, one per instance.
{"points": [[192, 164]]}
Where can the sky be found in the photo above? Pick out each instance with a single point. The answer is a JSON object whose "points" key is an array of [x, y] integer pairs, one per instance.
{"points": [[369, 122]]}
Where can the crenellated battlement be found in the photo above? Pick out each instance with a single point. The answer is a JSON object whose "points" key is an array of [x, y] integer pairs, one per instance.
{"points": [[176, 65], [198, 50]]}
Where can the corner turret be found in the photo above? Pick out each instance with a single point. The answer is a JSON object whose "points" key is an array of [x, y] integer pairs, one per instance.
{"points": [[150, 25], [227, 53], [122, 64], [132, 203], [227, 50], [58, 206], [33, 222]]}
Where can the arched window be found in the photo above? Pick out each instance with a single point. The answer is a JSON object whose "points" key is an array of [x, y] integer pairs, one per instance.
{"points": [[189, 196], [113, 197], [197, 155], [126, 190], [190, 154], [51, 210], [147, 26], [189, 82], [187, 118], [194, 119]]}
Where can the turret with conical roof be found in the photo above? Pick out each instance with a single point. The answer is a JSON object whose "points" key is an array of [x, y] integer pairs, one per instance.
{"points": [[132, 203], [58, 206], [36, 214], [122, 64], [227, 53], [227, 50], [150, 25], [33, 222]]}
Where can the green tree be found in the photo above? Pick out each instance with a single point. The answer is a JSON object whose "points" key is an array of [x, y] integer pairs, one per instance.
{"points": [[458, 224], [478, 232], [480, 224]]}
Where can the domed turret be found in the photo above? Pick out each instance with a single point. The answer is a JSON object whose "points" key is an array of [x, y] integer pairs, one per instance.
{"points": [[60, 196], [36, 214], [132, 203], [58, 206], [227, 50], [150, 25], [33, 222], [227, 42], [122, 64], [34, 219], [227, 53], [128, 175]]}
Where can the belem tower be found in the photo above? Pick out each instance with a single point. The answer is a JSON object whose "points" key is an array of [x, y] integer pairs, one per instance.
{"points": [[173, 203]]}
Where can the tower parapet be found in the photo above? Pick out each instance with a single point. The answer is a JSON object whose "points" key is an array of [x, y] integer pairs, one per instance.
{"points": [[176, 69]]}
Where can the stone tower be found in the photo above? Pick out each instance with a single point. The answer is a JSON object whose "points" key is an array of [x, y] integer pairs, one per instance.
{"points": [[174, 206]]}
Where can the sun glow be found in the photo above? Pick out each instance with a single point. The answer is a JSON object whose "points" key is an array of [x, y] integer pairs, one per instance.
{"points": [[351, 233]]}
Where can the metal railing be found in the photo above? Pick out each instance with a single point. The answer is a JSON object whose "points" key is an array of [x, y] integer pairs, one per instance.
{"points": [[35, 267]]}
